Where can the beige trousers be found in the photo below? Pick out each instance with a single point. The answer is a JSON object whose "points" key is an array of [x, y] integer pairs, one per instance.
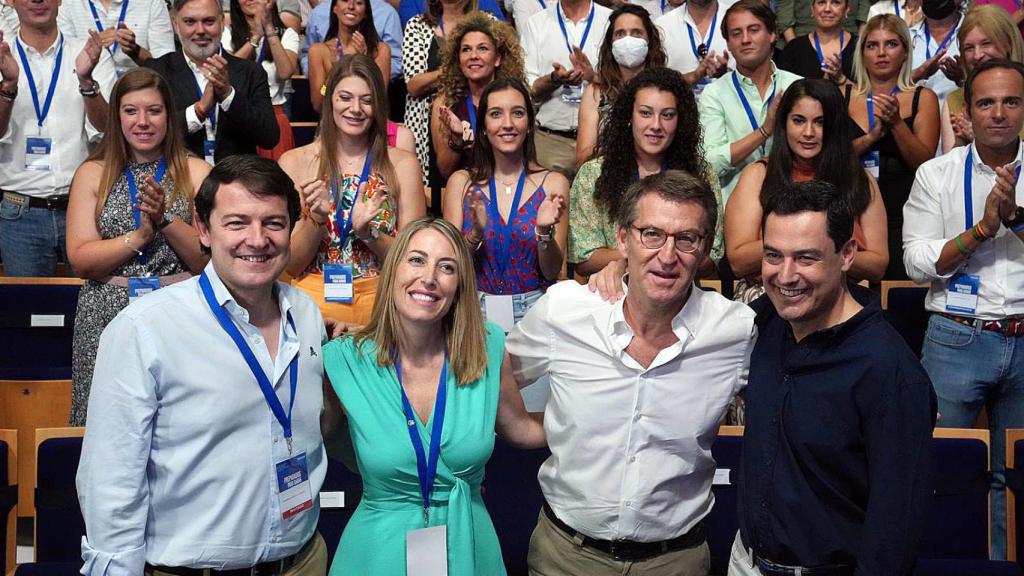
{"points": [[556, 153], [313, 561], [554, 553]]}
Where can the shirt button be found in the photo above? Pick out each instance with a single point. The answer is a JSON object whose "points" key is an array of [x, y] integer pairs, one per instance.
{"points": [[632, 458], [276, 438], [637, 417], [764, 504], [627, 503], [767, 461], [775, 419]]}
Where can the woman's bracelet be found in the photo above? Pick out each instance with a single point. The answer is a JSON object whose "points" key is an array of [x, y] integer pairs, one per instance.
{"points": [[128, 243], [474, 243], [543, 240]]}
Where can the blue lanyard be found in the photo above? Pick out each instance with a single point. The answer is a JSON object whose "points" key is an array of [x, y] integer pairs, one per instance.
{"points": [[663, 8], [968, 196], [472, 111], [213, 113], [928, 40], [426, 468], [133, 195], [41, 113], [344, 231], [565, 33], [817, 46], [543, 5], [505, 231], [261, 377], [262, 53], [896, 4], [99, 23], [705, 43], [747, 104]]}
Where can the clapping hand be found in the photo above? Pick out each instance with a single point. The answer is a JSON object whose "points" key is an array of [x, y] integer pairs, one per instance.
{"points": [[962, 126], [477, 213], [364, 210], [832, 68], [550, 211], [150, 202], [215, 69], [126, 38], [887, 109], [87, 59], [316, 197], [952, 68], [8, 66], [581, 65]]}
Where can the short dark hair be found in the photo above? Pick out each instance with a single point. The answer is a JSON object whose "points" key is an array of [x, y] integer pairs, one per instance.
{"points": [[756, 7], [260, 176], [813, 196], [1000, 64], [177, 5], [675, 186]]}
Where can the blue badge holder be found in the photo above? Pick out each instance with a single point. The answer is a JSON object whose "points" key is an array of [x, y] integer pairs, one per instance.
{"points": [[962, 293], [139, 286], [37, 153], [209, 146], [338, 283]]}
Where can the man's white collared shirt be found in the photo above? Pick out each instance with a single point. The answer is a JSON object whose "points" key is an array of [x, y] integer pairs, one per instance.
{"points": [[148, 19], [631, 446], [543, 45], [925, 45], [675, 37], [178, 464], [66, 123], [935, 213]]}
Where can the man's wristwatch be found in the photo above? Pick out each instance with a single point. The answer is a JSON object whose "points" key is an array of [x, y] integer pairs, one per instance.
{"points": [[91, 91]]}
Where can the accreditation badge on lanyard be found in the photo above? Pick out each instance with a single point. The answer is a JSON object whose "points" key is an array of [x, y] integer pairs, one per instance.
{"points": [[39, 148], [294, 495], [573, 93], [139, 286], [337, 275], [426, 549], [209, 144]]}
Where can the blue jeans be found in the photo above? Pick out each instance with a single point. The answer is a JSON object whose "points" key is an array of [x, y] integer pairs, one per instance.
{"points": [[971, 368], [31, 239]]}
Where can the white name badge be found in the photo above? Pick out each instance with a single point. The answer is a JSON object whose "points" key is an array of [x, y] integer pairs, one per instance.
{"points": [[870, 162], [140, 286], [426, 551], [293, 486], [498, 309], [209, 146], [338, 283], [37, 153], [962, 294], [572, 93]]}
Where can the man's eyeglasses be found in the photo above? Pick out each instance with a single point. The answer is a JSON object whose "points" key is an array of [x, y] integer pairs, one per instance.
{"points": [[654, 238]]}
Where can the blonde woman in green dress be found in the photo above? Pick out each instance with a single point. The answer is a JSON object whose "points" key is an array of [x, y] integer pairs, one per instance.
{"points": [[425, 386]]}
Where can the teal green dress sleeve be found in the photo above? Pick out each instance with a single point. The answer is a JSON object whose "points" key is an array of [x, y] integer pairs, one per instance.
{"points": [[374, 539]]}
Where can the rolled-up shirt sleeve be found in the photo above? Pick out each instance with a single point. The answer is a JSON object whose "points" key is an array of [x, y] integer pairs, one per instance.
{"points": [[924, 232], [113, 489], [717, 149], [530, 345]]}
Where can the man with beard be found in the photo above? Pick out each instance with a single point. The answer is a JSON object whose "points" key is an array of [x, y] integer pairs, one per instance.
{"points": [[223, 102]]}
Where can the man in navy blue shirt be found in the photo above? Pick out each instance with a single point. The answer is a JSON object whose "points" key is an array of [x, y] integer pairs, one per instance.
{"points": [[837, 462]]}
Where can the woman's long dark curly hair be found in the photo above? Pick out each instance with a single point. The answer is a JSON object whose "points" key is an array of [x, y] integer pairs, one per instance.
{"points": [[836, 163], [615, 143], [607, 74]]}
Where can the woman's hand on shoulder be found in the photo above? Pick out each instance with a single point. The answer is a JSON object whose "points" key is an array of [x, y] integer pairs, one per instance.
{"points": [[608, 282]]}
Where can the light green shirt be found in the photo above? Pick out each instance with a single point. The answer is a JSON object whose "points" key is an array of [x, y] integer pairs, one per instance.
{"points": [[725, 121]]}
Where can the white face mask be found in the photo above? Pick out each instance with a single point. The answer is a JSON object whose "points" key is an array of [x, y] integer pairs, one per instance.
{"points": [[630, 51]]}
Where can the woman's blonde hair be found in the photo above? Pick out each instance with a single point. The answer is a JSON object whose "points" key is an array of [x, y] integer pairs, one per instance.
{"points": [[996, 24], [897, 26], [465, 333], [453, 84], [364, 67], [113, 151]]}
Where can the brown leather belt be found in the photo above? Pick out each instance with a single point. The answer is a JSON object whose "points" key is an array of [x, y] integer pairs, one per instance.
{"points": [[271, 568], [1007, 326], [50, 202], [629, 550]]}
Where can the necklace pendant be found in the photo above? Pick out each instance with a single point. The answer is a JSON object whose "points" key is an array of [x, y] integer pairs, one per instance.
{"points": [[508, 190]]}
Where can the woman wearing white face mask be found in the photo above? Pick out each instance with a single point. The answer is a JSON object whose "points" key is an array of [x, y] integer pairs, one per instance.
{"points": [[631, 43]]}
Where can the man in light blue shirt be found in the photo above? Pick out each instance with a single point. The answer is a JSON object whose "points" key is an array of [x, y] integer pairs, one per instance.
{"points": [[385, 20], [202, 445]]}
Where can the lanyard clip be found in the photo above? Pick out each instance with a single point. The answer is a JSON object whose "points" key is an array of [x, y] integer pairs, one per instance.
{"points": [[426, 517], [288, 440]]}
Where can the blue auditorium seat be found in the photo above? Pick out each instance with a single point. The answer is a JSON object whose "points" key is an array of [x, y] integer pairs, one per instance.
{"points": [[333, 520], [904, 308], [8, 498], [302, 107], [49, 569], [513, 498], [932, 567], [958, 525], [42, 352], [59, 523], [1015, 495], [722, 522]]}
